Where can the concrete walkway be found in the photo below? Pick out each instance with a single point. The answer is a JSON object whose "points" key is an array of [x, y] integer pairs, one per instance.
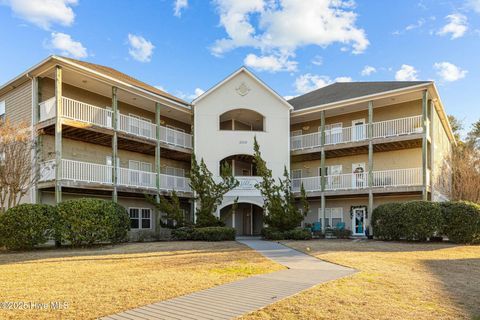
{"points": [[237, 298]]}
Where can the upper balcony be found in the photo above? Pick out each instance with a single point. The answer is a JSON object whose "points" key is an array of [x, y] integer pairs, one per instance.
{"points": [[86, 174], [340, 136], [85, 115]]}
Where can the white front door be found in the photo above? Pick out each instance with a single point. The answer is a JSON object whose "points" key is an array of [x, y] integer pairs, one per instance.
{"points": [[358, 175], [358, 221], [359, 131]]}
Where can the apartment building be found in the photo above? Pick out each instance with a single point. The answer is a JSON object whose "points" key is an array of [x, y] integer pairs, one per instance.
{"points": [[353, 146]]}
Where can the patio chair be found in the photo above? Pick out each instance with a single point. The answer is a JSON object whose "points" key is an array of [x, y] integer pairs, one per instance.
{"points": [[340, 225]]}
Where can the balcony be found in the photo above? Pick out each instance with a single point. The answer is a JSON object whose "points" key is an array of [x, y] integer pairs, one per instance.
{"points": [[357, 181], [92, 173], [381, 129], [103, 118]]}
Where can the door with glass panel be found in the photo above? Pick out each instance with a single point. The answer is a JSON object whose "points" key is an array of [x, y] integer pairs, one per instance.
{"points": [[296, 139], [358, 130], [359, 177], [296, 179], [358, 221]]}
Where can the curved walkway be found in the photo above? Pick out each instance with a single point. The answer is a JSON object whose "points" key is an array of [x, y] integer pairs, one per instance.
{"points": [[237, 298]]}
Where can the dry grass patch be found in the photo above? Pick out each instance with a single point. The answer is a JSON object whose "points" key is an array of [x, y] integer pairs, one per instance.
{"points": [[396, 281], [105, 280]]}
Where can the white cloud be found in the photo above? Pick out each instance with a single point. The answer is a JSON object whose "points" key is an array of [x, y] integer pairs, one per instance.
{"points": [[449, 72], [289, 97], [368, 70], [457, 26], [140, 48], [271, 63], [474, 4], [67, 46], [43, 13], [178, 6], [198, 92], [280, 27], [406, 73], [309, 82], [418, 24], [186, 96], [317, 60]]}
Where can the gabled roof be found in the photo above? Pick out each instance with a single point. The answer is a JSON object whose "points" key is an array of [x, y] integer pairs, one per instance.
{"points": [[253, 76], [107, 71], [348, 90]]}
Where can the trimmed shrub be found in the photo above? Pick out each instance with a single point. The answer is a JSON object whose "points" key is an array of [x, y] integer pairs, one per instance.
{"points": [[342, 233], [27, 225], [461, 221], [88, 221], [423, 219], [204, 234], [295, 234], [387, 221]]}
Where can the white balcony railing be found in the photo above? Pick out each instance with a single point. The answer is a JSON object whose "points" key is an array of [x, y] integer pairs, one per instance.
{"points": [[396, 127], [177, 183], [175, 137], [136, 178], [398, 177], [382, 129], [79, 171], [352, 181], [137, 127], [102, 117]]}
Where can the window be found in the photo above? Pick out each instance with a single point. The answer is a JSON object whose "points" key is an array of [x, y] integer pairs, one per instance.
{"points": [[140, 218], [137, 175], [333, 217], [333, 133], [140, 125], [2, 110]]}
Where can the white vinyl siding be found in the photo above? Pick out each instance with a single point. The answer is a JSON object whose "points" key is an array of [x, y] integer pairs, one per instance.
{"points": [[18, 103]]}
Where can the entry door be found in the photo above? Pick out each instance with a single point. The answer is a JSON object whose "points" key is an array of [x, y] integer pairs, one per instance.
{"points": [[358, 221], [247, 221], [358, 130], [109, 117], [358, 175]]}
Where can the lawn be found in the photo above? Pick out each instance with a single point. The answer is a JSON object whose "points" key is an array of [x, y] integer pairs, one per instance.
{"points": [[108, 279], [395, 281]]}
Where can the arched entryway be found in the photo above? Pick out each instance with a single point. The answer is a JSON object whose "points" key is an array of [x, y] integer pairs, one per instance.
{"points": [[247, 219]]}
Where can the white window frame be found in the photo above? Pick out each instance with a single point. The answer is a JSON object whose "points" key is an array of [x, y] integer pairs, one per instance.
{"points": [[3, 105], [140, 218], [328, 216], [139, 127]]}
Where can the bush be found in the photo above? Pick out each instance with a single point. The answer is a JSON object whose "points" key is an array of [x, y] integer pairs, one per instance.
{"points": [[423, 219], [27, 225], [387, 221], [88, 221], [204, 234], [413, 220], [342, 233], [461, 221], [295, 234]]}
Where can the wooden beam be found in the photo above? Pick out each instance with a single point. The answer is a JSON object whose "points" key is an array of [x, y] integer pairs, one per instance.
{"points": [[370, 144], [424, 143], [58, 134], [115, 144], [157, 150], [322, 151]]}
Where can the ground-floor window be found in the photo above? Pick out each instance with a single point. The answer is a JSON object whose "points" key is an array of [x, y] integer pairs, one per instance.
{"points": [[333, 217], [140, 218]]}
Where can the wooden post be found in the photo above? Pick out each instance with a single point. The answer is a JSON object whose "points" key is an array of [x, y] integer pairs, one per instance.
{"points": [[157, 150], [424, 144], [432, 147], [115, 144], [370, 144], [58, 134], [322, 167], [36, 138]]}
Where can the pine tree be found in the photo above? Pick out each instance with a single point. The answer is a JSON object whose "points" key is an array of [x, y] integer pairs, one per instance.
{"points": [[208, 193], [280, 206], [171, 210]]}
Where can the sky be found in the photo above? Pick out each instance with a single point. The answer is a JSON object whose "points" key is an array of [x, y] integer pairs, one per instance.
{"points": [[187, 46]]}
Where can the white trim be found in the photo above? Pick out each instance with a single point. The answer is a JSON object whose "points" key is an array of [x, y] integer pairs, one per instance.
{"points": [[140, 218], [363, 209], [231, 76]]}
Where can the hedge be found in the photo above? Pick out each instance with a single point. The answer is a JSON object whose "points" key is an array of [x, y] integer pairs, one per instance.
{"points": [[413, 220], [461, 222], [295, 234], [27, 225], [387, 221], [204, 234], [88, 221]]}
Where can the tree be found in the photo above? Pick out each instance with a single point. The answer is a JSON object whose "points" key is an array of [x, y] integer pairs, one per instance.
{"points": [[171, 209], [460, 176], [209, 193], [17, 172], [280, 206], [456, 125]]}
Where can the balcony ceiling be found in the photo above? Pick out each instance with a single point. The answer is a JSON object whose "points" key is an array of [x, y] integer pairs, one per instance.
{"points": [[363, 106]]}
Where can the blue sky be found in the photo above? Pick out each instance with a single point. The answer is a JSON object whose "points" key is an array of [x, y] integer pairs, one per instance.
{"points": [[186, 46]]}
